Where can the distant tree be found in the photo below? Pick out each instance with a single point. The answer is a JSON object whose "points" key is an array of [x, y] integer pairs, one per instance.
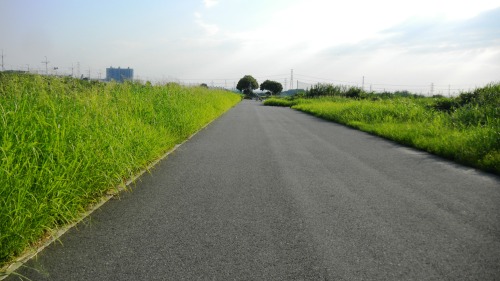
{"points": [[271, 86], [204, 85], [246, 85]]}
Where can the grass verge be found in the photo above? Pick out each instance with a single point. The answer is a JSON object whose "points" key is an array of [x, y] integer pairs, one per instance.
{"points": [[465, 129], [280, 102], [65, 142]]}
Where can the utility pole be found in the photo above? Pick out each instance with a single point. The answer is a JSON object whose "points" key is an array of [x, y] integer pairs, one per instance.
{"points": [[363, 84], [285, 83], [2, 61], [432, 89], [46, 62], [291, 80]]}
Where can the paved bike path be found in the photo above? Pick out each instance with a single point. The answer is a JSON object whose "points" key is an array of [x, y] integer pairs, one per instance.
{"points": [[267, 193]]}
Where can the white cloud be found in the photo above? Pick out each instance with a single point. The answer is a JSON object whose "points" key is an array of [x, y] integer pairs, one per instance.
{"points": [[320, 24], [210, 29], [210, 3]]}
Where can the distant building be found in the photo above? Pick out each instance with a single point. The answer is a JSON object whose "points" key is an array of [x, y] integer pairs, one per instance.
{"points": [[119, 74]]}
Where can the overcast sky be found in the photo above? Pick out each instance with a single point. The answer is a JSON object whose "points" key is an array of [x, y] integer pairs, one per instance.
{"points": [[393, 44]]}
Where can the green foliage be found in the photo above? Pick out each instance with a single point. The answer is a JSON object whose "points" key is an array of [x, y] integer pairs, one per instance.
{"points": [[246, 85], [272, 86], [465, 129], [445, 104], [66, 142], [280, 102], [329, 90], [476, 108], [483, 97], [320, 90]]}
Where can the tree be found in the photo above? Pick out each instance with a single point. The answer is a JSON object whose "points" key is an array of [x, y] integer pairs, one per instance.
{"points": [[272, 86], [247, 84]]}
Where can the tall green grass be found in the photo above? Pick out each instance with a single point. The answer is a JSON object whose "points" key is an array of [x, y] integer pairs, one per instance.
{"points": [[465, 129], [66, 142], [280, 102]]}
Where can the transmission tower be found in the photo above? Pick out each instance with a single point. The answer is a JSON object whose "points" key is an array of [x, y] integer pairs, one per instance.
{"points": [[46, 62], [291, 80]]}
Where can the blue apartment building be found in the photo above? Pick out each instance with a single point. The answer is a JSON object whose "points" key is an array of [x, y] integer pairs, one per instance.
{"points": [[119, 74]]}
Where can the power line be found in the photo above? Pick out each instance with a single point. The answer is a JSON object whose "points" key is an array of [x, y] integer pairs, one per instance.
{"points": [[268, 76], [384, 86]]}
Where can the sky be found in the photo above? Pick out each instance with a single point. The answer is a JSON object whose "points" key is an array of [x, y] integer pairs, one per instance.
{"points": [[420, 46]]}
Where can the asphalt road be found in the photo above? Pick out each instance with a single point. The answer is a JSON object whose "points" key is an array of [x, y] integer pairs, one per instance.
{"points": [[267, 193]]}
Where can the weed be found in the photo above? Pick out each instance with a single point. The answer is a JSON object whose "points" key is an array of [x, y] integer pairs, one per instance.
{"points": [[465, 129], [66, 142]]}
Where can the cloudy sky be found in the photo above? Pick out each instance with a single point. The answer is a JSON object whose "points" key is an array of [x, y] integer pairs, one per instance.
{"points": [[393, 44]]}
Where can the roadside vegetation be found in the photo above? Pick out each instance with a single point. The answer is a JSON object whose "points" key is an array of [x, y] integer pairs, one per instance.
{"points": [[286, 102], [64, 143], [247, 84], [465, 129]]}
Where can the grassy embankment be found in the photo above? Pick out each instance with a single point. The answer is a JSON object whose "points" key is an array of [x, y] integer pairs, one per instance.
{"points": [[465, 129], [64, 143]]}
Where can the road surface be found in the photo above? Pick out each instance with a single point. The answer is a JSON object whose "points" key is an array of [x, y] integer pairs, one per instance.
{"points": [[268, 193]]}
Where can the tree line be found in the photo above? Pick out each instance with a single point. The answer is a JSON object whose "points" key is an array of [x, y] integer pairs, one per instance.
{"points": [[248, 84]]}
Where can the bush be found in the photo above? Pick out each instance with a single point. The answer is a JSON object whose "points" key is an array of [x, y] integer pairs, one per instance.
{"points": [[280, 102]]}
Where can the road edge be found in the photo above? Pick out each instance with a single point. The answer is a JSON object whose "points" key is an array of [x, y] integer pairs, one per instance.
{"points": [[54, 235]]}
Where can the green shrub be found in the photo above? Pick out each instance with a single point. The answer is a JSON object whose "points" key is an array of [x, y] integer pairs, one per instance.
{"points": [[280, 102]]}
